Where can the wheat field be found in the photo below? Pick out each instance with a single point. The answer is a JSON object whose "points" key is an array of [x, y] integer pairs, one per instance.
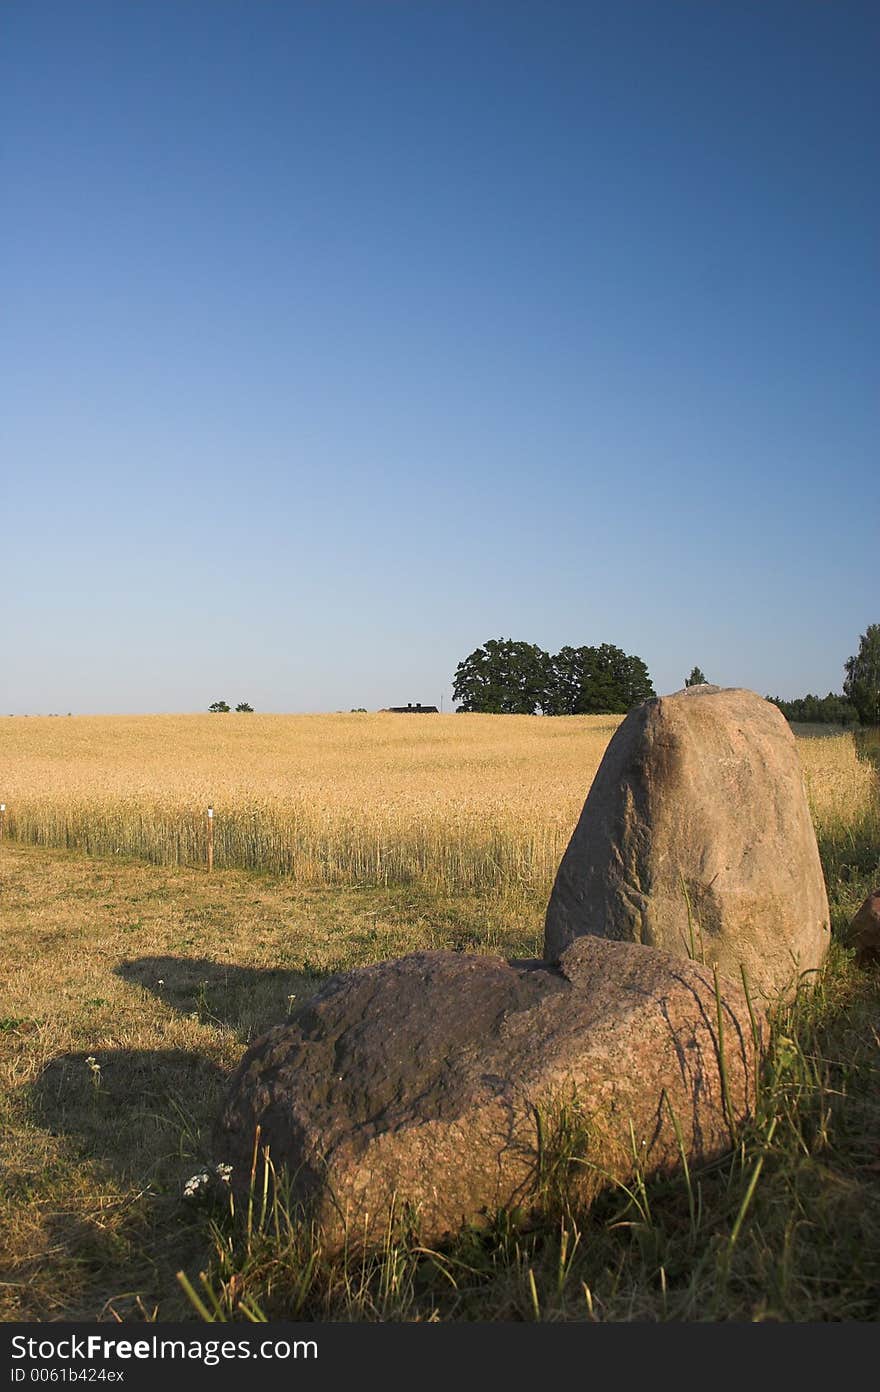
{"points": [[456, 803]]}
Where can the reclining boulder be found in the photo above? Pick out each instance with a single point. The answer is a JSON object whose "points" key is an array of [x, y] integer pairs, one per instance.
{"points": [[442, 1086]]}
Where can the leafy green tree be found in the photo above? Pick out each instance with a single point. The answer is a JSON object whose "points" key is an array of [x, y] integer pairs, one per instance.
{"points": [[588, 681], [596, 681], [627, 678], [502, 677], [862, 684], [219, 706], [243, 706], [637, 684], [696, 678], [570, 680]]}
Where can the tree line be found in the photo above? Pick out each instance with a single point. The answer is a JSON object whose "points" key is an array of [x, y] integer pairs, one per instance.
{"points": [[818, 710], [860, 702], [505, 677]]}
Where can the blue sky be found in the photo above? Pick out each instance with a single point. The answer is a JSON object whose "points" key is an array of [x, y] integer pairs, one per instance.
{"points": [[340, 337]]}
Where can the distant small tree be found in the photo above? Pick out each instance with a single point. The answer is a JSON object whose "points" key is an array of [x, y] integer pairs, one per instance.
{"points": [[219, 706], [862, 684], [243, 706], [696, 678]]}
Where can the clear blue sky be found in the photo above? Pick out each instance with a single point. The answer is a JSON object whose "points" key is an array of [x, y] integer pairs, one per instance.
{"points": [[339, 337]]}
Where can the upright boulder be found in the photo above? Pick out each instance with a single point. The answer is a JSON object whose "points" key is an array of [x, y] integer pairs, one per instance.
{"points": [[696, 837], [451, 1086]]}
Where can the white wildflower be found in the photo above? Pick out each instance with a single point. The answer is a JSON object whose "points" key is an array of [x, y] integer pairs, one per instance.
{"points": [[196, 1184]]}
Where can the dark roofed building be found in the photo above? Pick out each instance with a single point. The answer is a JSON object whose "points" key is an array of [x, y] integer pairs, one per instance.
{"points": [[411, 709]]}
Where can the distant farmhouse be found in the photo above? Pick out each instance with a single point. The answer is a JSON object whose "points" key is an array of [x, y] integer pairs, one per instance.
{"points": [[410, 709]]}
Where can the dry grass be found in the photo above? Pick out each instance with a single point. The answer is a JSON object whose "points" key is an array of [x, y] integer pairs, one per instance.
{"points": [[842, 786], [841, 772], [161, 975]]}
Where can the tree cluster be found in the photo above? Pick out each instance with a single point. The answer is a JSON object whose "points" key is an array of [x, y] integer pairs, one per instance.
{"points": [[819, 710], [505, 677], [222, 706], [862, 684]]}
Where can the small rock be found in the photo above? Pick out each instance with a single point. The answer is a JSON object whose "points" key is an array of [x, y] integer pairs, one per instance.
{"points": [[864, 931]]}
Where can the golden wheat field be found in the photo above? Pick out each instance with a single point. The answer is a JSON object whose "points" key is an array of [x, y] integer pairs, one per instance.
{"points": [[452, 802]]}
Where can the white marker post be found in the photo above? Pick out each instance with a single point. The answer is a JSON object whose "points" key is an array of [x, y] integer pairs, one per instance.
{"points": [[210, 839], [2, 818]]}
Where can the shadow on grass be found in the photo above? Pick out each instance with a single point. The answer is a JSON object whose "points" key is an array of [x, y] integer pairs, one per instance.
{"points": [[146, 1112], [248, 1000], [131, 1127]]}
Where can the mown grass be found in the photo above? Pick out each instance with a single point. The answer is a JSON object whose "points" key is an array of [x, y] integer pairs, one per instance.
{"points": [[161, 975]]}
